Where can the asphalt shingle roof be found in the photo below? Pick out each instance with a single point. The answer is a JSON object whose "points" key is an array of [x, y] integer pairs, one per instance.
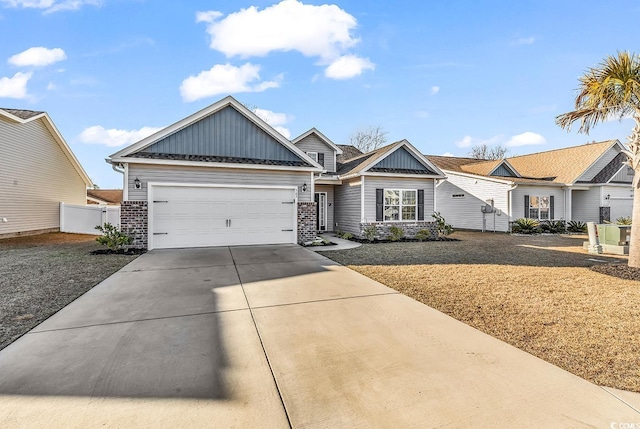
{"points": [[348, 152], [22, 114], [108, 195]]}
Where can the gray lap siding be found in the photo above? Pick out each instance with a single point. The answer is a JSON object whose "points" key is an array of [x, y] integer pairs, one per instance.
{"points": [[347, 206]]}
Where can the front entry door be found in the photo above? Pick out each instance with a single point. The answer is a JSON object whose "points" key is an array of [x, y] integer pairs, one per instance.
{"points": [[321, 211]]}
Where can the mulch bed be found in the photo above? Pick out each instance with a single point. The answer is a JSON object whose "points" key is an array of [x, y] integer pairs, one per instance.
{"points": [[543, 294], [41, 274]]}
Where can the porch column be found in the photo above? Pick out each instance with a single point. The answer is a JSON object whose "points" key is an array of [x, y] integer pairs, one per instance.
{"points": [[568, 208]]}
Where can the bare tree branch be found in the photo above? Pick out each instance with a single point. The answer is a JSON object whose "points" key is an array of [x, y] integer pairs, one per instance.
{"points": [[485, 152], [368, 139]]}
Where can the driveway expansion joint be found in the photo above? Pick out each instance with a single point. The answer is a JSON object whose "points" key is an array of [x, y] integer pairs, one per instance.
{"points": [[620, 399], [325, 300]]}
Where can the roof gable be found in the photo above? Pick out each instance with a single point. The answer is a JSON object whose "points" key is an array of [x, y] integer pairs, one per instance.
{"points": [[224, 132], [400, 160], [324, 139]]}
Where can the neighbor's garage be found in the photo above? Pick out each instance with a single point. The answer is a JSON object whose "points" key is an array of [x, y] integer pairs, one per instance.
{"points": [[200, 216]]}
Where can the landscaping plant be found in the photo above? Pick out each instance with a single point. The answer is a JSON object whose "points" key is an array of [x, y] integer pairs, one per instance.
{"points": [[576, 226], [370, 233], [112, 237], [442, 226], [423, 235], [396, 233], [623, 221], [525, 226]]}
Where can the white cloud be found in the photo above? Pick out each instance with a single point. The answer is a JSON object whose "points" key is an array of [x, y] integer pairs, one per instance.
{"points": [[314, 31], [51, 86], [50, 6], [435, 90], [225, 79], [276, 120], [348, 66], [114, 137], [323, 32], [38, 56], [447, 154], [16, 86], [468, 141], [526, 139], [524, 41]]}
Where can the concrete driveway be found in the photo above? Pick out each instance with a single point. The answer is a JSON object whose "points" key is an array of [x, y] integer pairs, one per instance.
{"points": [[276, 336]]}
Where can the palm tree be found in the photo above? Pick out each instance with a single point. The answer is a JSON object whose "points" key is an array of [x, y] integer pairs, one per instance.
{"points": [[612, 91]]}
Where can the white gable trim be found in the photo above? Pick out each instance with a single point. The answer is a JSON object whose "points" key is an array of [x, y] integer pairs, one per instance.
{"points": [[420, 157], [322, 137], [207, 164], [215, 107], [622, 167], [616, 142], [507, 165], [18, 119]]}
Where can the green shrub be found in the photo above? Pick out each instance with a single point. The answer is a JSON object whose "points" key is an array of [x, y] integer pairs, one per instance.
{"points": [[423, 235], [370, 233], [525, 226], [346, 236], [112, 237], [576, 226], [623, 221], [442, 226], [553, 226], [396, 233]]}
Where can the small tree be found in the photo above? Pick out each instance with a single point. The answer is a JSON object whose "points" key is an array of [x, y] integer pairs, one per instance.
{"points": [[112, 237], [482, 151], [368, 139]]}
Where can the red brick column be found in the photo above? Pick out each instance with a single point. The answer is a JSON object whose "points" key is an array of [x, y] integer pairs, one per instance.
{"points": [[134, 220], [306, 221]]}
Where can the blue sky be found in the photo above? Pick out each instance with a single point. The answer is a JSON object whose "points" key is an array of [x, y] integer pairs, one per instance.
{"points": [[443, 75]]}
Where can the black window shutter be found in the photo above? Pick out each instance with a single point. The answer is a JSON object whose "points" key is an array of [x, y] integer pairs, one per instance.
{"points": [[321, 158], [420, 204], [379, 205], [551, 217], [526, 206]]}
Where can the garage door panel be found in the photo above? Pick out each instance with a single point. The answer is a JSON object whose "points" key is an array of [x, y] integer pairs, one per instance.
{"points": [[211, 216]]}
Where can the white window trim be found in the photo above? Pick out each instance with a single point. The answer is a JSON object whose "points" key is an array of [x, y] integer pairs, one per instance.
{"points": [[313, 155], [539, 197], [400, 205]]}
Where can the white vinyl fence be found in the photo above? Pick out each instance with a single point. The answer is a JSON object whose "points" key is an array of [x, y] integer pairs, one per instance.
{"points": [[83, 219]]}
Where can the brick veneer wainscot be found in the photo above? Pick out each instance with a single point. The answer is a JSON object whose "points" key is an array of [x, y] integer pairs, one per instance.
{"points": [[410, 228], [134, 220], [306, 221]]}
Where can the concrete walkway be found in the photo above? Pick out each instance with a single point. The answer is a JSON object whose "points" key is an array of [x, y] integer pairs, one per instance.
{"points": [[276, 336]]}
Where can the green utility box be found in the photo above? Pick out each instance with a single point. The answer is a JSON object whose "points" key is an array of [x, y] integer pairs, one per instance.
{"points": [[616, 235]]}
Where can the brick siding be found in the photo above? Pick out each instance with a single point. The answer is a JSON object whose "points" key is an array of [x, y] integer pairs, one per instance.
{"points": [[134, 220], [410, 228], [306, 222]]}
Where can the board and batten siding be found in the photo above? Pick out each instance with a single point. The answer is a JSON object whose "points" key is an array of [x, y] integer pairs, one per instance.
{"points": [[35, 177], [541, 191], [214, 176], [371, 183], [312, 143], [464, 211], [347, 206], [625, 175], [330, 206], [597, 167], [585, 205]]}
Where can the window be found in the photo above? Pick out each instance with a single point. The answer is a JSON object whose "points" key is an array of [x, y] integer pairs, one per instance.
{"points": [[400, 204], [539, 207], [313, 155]]}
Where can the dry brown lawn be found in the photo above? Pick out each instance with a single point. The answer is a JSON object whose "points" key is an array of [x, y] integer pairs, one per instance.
{"points": [[534, 292]]}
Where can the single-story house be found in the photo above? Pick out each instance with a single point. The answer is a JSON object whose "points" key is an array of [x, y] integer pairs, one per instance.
{"points": [[104, 197], [223, 176], [588, 183], [38, 171]]}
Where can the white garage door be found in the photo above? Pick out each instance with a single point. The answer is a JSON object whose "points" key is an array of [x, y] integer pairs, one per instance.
{"points": [[183, 216]]}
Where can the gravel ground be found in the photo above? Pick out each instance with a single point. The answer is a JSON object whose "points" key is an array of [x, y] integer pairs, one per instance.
{"points": [[41, 274], [537, 293]]}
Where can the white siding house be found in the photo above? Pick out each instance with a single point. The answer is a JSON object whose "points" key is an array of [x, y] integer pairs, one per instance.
{"points": [[38, 171]]}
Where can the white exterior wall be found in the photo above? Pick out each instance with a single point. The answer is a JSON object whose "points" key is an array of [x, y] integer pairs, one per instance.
{"points": [[371, 183], [330, 206], [347, 206], [220, 176], [464, 212], [558, 193], [312, 143], [35, 177], [620, 200], [586, 205]]}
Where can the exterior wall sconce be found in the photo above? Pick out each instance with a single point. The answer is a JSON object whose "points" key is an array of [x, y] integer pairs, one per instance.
{"points": [[607, 197], [137, 183], [304, 187]]}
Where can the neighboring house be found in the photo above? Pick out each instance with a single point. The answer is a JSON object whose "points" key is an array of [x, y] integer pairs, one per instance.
{"points": [[38, 171], [589, 182], [223, 176], [104, 197]]}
